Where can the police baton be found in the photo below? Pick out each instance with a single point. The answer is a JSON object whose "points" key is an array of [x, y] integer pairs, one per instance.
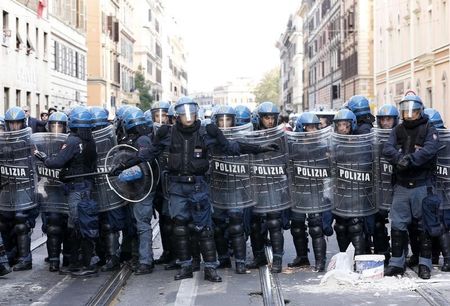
{"points": [[85, 175]]}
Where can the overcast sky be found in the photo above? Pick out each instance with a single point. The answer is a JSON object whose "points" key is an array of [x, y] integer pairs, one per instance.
{"points": [[230, 38]]}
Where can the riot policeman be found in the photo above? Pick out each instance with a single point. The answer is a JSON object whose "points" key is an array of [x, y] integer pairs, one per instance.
{"points": [[188, 145], [359, 105], [266, 115], [243, 115], [312, 151], [228, 223], [18, 212], [135, 125], [387, 118], [77, 157], [442, 243], [160, 111], [353, 195], [112, 213], [53, 200], [411, 149]]}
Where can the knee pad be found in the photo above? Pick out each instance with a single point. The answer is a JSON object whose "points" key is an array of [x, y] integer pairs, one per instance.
{"points": [[274, 224], [206, 233], [106, 228], [315, 232], [315, 220], [236, 229], [340, 228], [179, 222], [236, 218], [379, 226], [54, 230], [298, 232], [21, 229], [180, 231], [355, 228], [298, 224]]}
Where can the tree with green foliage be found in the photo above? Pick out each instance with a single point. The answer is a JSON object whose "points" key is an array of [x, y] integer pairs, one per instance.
{"points": [[144, 88], [268, 89]]}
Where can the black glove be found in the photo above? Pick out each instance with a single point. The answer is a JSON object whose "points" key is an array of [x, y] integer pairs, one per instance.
{"points": [[40, 155], [269, 148], [404, 162], [117, 169]]}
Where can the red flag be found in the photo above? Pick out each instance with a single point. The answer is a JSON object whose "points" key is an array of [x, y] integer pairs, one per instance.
{"points": [[41, 5]]}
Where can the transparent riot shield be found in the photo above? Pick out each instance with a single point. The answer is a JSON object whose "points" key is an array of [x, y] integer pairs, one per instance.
{"points": [[443, 169], [18, 177], [354, 172], [310, 171], [268, 172], [133, 184], [230, 175], [50, 190], [105, 197], [385, 190]]}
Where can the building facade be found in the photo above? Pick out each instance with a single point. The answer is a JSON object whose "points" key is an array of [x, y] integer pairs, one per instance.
{"points": [[323, 54], [24, 56], [290, 45], [357, 48], [68, 53], [237, 92], [148, 47], [412, 51]]}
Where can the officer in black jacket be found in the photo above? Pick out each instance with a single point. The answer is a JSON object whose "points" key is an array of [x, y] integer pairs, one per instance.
{"points": [[78, 156], [411, 149]]}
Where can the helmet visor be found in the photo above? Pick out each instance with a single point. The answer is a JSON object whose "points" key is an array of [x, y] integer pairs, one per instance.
{"points": [[225, 121], [407, 108], [57, 127], [189, 110], [159, 116]]}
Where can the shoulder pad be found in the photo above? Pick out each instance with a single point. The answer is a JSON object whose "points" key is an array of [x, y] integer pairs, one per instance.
{"points": [[212, 130], [163, 131]]}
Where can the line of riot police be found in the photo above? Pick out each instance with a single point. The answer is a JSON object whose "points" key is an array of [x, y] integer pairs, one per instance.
{"points": [[214, 185]]}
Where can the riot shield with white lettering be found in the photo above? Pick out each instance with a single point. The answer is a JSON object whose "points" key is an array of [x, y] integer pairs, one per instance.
{"points": [[230, 175], [385, 190], [50, 190], [133, 184], [105, 197], [17, 168], [443, 168], [268, 171], [310, 171], [354, 172]]}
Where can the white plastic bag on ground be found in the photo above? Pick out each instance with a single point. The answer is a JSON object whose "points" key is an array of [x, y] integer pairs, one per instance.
{"points": [[340, 269]]}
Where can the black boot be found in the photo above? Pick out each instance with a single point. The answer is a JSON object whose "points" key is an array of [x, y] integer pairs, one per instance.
{"points": [[208, 250], [111, 247], [436, 250], [237, 237], [221, 243], [414, 241], [166, 226], [356, 232], [277, 264], [320, 253], [23, 247], [87, 249], [257, 239], [144, 269], [211, 275], [4, 265], [424, 272], [381, 239], [72, 247], [425, 252], [300, 238], [54, 241], [399, 240], [195, 248], [185, 272], [445, 247], [182, 247], [341, 234]]}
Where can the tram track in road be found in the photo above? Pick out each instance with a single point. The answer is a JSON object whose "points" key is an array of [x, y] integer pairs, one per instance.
{"points": [[112, 287], [428, 293], [270, 284]]}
